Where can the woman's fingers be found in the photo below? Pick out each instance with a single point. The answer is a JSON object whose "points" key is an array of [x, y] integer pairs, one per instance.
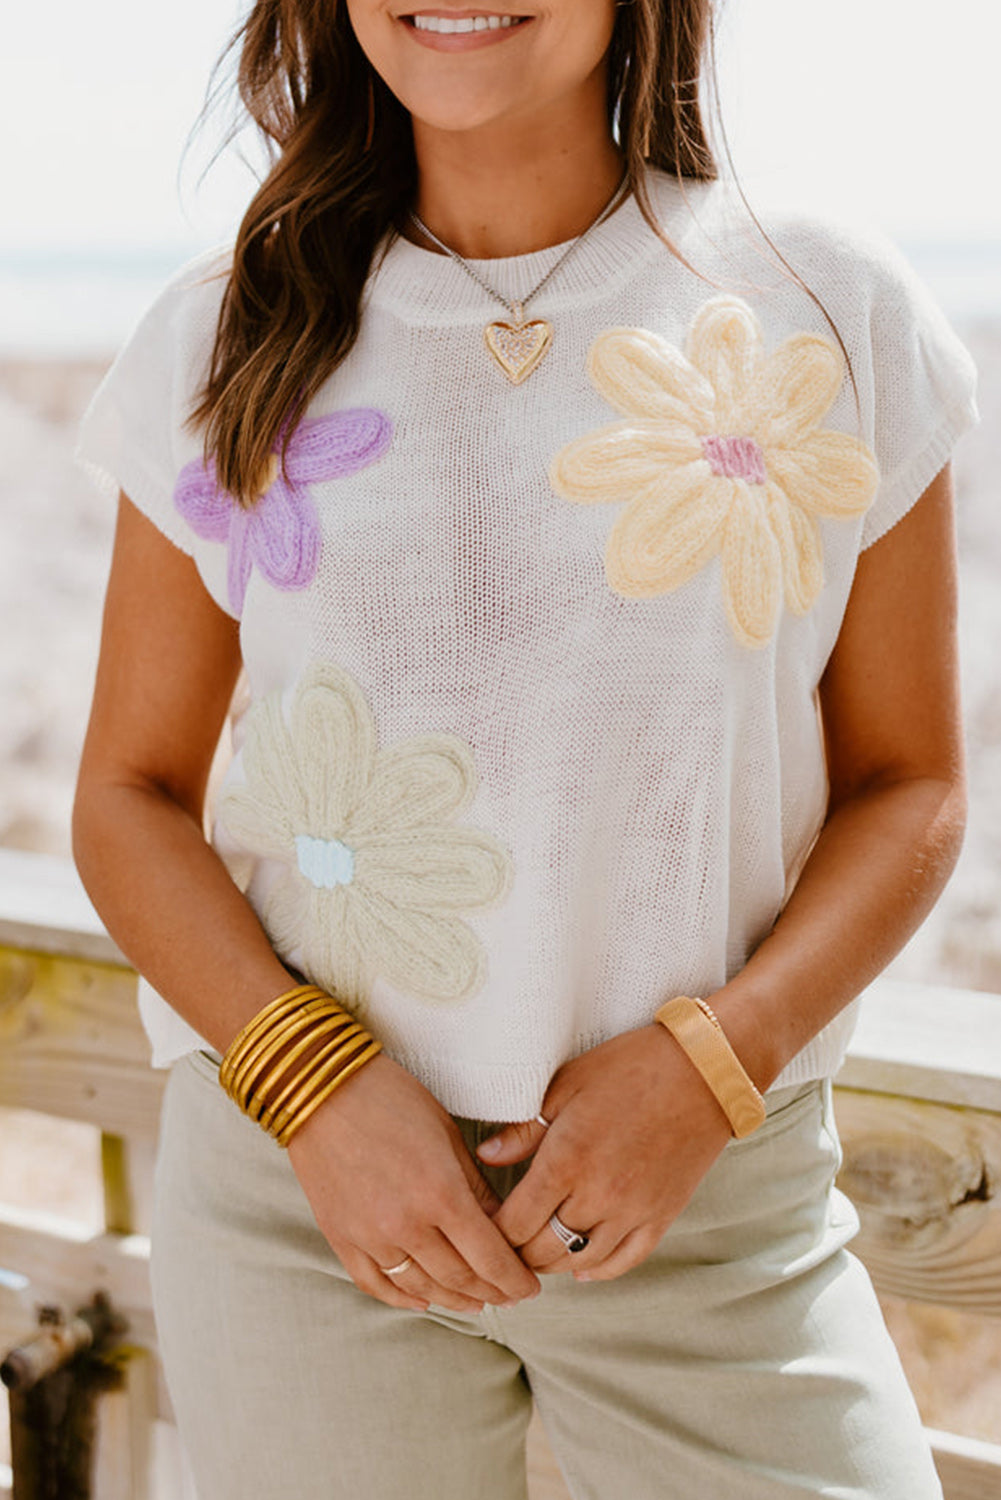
{"points": [[416, 1282], [483, 1247], [609, 1253], [634, 1132], [630, 1252], [368, 1276], [413, 1189], [546, 1253], [440, 1260], [466, 1219], [525, 1212], [513, 1143], [480, 1187], [411, 1287]]}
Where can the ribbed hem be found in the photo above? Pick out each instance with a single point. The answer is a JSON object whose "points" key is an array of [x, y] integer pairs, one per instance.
{"points": [[500, 1094]]}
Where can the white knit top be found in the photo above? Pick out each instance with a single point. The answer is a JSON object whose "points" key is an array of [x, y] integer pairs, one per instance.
{"points": [[530, 742]]}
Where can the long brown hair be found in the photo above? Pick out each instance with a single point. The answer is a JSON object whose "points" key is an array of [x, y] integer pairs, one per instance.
{"points": [[342, 181]]}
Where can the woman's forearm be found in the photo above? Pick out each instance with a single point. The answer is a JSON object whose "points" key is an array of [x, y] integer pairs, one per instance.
{"points": [[170, 660], [170, 904], [880, 863]]}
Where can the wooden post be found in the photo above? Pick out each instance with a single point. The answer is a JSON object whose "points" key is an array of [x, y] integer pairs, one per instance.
{"points": [[123, 1453], [81, 1409]]}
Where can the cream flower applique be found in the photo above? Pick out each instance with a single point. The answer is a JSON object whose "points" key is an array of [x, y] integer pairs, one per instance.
{"points": [[376, 870], [720, 452]]}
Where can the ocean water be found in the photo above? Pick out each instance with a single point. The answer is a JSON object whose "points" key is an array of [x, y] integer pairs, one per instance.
{"points": [[66, 305], [70, 305]]}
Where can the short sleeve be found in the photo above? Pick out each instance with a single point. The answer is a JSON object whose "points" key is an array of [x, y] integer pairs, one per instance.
{"points": [[914, 380], [923, 387], [135, 435]]}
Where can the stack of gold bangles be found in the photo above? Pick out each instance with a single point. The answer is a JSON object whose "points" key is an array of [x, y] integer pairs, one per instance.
{"points": [[282, 1098]]}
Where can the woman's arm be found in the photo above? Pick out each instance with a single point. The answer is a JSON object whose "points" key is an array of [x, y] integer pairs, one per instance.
{"points": [[168, 665], [169, 661], [897, 808], [635, 1127]]}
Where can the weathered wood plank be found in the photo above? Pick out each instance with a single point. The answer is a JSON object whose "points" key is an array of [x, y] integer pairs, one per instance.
{"points": [[68, 1272], [968, 1469], [924, 1178], [43, 906], [72, 1044], [127, 1174], [17, 1318], [66, 1263], [927, 1042]]}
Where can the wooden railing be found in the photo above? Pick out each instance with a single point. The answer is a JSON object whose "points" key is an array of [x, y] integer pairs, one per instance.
{"points": [[918, 1105]]}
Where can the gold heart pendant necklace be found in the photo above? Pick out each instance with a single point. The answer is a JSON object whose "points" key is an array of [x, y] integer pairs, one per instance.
{"points": [[519, 347]]}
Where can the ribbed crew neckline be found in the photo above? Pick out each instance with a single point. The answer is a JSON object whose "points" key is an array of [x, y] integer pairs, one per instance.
{"points": [[426, 286]]}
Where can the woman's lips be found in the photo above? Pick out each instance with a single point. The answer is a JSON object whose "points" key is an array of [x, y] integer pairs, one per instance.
{"points": [[463, 40]]}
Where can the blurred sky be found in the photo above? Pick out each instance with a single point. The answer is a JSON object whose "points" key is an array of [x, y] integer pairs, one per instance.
{"points": [[884, 110]]}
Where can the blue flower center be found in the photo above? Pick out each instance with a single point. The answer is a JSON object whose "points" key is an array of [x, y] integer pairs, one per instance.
{"points": [[325, 863]]}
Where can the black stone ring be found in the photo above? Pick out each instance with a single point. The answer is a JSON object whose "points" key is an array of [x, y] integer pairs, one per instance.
{"points": [[571, 1238]]}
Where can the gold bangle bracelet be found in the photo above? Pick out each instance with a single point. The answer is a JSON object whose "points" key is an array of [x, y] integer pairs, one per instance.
{"points": [[266, 1046], [300, 1016], [320, 1068], [265, 1018], [313, 1070], [261, 1022], [325, 1027], [249, 1069], [321, 1085], [243, 1056], [697, 1030], [372, 1049]]}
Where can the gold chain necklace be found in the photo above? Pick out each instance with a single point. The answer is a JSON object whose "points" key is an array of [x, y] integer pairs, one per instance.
{"points": [[518, 348]]}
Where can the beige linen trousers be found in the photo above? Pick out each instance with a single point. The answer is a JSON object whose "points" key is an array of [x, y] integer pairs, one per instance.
{"points": [[745, 1359]]}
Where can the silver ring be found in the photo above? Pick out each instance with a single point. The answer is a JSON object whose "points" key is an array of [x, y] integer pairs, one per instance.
{"points": [[541, 1120], [404, 1265], [573, 1239]]}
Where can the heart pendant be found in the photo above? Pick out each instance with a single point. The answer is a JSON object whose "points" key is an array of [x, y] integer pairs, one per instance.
{"points": [[518, 347]]}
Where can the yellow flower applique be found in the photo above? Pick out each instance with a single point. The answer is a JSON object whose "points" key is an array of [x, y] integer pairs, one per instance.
{"points": [[376, 870], [720, 452]]}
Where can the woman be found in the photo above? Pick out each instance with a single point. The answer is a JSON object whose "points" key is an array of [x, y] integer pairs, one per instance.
{"points": [[531, 489]]}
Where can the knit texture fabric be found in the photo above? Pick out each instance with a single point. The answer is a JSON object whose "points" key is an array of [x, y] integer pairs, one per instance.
{"points": [[531, 742]]}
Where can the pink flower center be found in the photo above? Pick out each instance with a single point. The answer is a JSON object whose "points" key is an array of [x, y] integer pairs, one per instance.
{"points": [[736, 458]]}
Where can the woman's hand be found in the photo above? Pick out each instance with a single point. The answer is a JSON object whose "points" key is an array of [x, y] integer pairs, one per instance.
{"points": [[633, 1131], [388, 1176]]}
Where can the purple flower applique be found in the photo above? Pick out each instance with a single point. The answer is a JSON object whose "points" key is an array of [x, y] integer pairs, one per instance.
{"points": [[280, 533]]}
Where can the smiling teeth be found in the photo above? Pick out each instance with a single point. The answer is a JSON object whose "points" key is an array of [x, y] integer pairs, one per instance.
{"points": [[448, 26]]}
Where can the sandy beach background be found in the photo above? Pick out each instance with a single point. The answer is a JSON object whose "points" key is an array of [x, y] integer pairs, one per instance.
{"points": [[55, 536]]}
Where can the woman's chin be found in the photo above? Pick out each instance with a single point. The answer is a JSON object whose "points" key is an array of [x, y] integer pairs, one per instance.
{"points": [[460, 111]]}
